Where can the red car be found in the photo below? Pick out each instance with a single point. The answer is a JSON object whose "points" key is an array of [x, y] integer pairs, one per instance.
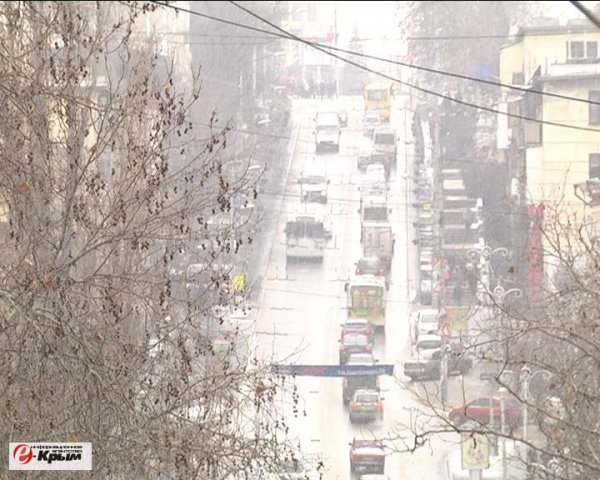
{"points": [[367, 456], [478, 410]]}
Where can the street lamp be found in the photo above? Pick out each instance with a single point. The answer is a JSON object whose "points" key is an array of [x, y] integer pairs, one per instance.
{"points": [[525, 377], [502, 392], [590, 190], [501, 293]]}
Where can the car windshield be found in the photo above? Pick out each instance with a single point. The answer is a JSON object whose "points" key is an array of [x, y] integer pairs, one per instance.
{"points": [[327, 129], [428, 344], [367, 398], [385, 138], [356, 325], [375, 213], [314, 180], [428, 318], [372, 120], [370, 265], [355, 340]]}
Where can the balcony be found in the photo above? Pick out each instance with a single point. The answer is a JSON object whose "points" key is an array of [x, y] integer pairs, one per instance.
{"points": [[569, 70]]}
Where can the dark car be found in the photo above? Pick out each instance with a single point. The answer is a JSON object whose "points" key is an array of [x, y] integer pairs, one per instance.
{"points": [[368, 382], [364, 326], [373, 266], [479, 411], [354, 343]]}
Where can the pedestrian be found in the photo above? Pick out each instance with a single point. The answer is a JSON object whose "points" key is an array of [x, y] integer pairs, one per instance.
{"points": [[457, 294]]}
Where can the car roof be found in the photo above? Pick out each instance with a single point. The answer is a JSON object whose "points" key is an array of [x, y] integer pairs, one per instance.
{"points": [[360, 359], [370, 259], [428, 337], [365, 391], [428, 311], [367, 280], [357, 320], [355, 334]]}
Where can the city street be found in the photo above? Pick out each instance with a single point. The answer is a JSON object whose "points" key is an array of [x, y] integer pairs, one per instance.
{"points": [[302, 307]]}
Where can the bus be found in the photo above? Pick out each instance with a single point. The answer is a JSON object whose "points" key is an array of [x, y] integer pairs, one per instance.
{"points": [[378, 98], [366, 298], [307, 232]]}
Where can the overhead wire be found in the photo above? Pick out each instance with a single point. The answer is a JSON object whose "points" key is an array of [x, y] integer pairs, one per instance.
{"points": [[323, 49], [424, 90], [590, 16]]}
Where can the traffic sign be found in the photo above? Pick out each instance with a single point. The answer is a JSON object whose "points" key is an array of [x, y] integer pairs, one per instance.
{"points": [[475, 450], [332, 370]]}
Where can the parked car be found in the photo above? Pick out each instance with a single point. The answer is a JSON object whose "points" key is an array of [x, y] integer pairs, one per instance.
{"points": [[367, 456], [427, 366], [363, 326], [424, 322], [354, 343], [479, 411], [366, 405], [428, 342]]}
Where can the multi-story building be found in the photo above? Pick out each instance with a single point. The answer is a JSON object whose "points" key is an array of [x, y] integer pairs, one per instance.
{"points": [[314, 22], [559, 58]]}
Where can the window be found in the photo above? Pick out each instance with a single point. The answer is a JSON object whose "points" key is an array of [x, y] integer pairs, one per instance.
{"points": [[594, 109], [581, 52], [594, 160]]}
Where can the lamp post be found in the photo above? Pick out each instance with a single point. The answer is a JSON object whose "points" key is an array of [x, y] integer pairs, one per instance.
{"points": [[502, 391], [525, 377], [500, 293], [484, 254]]}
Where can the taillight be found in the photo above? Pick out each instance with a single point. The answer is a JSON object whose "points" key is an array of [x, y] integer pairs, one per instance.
{"points": [[367, 331], [352, 404], [368, 347], [380, 406], [377, 381], [357, 272], [382, 272], [345, 382], [342, 347]]}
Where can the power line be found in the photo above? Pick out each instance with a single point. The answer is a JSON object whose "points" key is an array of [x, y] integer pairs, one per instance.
{"points": [[416, 67], [591, 17], [388, 77]]}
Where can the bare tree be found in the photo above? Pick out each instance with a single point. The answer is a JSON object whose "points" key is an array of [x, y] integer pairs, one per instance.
{"points": [[544, 352], [108, 194]]}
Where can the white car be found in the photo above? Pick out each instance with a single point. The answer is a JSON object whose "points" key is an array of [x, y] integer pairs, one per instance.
{"points": [[427, 342], [425, 322], [374, 477], [375, 169]]}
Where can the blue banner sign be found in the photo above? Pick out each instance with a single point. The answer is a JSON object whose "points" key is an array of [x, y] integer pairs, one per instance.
{"points": [[332, 370]]}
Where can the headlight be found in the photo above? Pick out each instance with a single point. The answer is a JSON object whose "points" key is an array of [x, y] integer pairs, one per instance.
{"points": [[323, 193]]}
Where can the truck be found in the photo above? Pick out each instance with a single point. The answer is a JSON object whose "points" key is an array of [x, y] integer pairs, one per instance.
{"points": [[367, 456], [327, 131], [378, 241], [385, 143]]}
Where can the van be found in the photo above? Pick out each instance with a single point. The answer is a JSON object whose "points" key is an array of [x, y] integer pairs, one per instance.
{"points": [[313, 182], [385, 143], [327, 131]]}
